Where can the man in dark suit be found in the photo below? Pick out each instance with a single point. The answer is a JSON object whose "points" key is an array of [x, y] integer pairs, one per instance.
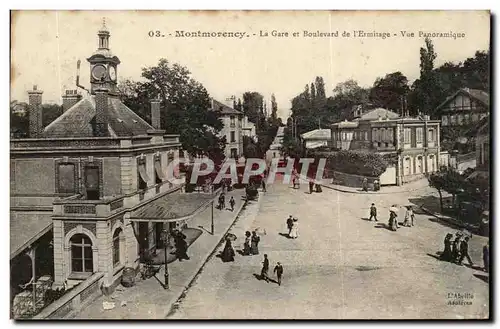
{"points": [[373, 212], [464, 251], [278, 269], [289, 224], [265, 269]]}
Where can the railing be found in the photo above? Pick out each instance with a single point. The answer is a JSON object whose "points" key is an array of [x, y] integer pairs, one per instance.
{"points": [[62, 142], [72, 300], [75, 206]]}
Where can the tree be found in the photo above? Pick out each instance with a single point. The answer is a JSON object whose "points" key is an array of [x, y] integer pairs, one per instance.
{"points": [[274, 108], [345, 95], [449, 180], [389, 92], [436, 181], [252, 106], [185, 106], [426, 91]]}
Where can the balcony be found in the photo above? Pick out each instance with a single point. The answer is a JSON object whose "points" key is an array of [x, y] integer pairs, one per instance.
{"points": [[77, 207]]}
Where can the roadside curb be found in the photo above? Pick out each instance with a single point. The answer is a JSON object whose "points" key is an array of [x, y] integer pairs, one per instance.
{"points": [[191, 278], [444, 219]]}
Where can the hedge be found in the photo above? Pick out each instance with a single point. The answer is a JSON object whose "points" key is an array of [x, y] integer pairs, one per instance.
{"points": [[357, 163]]}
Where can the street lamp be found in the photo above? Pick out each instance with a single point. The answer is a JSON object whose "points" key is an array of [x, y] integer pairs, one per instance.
{"points": [[164, 238]]}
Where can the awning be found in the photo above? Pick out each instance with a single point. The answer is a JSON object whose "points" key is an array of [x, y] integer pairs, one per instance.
{"points": [[143, 173], [173, 207], [26, 228], [158, 170]]}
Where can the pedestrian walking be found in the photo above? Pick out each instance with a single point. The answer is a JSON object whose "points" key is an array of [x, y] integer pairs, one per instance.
{"points": [[464, 251], [289, 225], [486, 257], [263, 185], [265, 269], [181, 246], [311, 186], [412, 215], [393, 221], [255, 243], [447, 253], [294, 232], [278, 269], [231, 203], [222, 201], [246, 246], [455, 248], [373, 212], [406, 222], [365, 184]]}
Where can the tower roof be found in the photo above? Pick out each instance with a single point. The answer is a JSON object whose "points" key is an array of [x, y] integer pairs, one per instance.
{"points": [[77, 121]]}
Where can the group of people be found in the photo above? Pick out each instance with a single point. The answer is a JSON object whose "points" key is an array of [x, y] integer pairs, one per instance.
{"points": [[222, 202], [376, 185], [393, 217], [250, 247], [456, 250], [293, 227], [264, 273]]}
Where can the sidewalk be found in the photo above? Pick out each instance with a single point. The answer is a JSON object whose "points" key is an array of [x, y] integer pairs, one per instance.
{"points": [[409, 187], [147, 299]]}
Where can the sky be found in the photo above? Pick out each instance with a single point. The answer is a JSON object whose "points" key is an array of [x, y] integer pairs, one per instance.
{"points": [[45, 46]]}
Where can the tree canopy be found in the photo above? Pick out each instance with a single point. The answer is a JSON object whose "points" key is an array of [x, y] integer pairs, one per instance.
{"points": [[185, 106]]}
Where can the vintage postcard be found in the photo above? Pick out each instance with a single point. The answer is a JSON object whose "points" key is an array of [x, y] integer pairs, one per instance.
{"points": [[250, 165]]}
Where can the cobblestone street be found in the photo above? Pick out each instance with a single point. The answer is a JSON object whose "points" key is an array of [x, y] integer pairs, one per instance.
{"points": [[342, 266]]}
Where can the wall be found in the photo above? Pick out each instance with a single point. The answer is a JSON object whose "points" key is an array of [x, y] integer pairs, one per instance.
{"points": [[348, 179], [112, 176], [34, 176]]}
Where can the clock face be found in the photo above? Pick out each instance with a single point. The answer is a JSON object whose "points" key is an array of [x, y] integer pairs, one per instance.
{"points": [[99, 72], [112, 73]]}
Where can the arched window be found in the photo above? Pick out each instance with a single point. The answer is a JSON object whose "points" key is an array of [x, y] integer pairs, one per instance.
{"points": [[81, 254], [116, 246]]}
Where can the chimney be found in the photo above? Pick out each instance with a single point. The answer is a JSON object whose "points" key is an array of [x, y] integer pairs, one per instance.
{"points": [[35, 112], [155, 114], [101, 108], [70, 98]]}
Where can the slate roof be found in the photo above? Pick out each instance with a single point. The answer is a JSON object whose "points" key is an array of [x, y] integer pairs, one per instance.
{"points": [[223, 109], [476, 94], [77, 121], [25, 228]]}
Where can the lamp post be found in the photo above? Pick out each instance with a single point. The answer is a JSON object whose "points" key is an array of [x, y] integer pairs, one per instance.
{"points": [[164, 238]]}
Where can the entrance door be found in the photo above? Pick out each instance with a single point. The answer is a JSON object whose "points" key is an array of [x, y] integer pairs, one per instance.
{"points": [[407, 167], [234, 153], [420, 165]]}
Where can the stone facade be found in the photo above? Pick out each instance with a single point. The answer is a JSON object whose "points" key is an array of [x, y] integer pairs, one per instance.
{"points": [[415, 141]]}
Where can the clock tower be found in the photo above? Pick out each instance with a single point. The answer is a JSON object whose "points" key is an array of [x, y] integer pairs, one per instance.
{"points": [[103, 64]]}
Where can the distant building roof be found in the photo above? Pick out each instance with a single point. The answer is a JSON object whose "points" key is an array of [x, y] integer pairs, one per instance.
{"points": [[478, 95], [346, 124], [317, 134], [223, 108], [377, 113], [77, 120]]}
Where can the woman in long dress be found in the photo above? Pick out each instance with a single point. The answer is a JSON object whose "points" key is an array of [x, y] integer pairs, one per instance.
{"points": [[446, 255], [294, 233], [228, 252], [393, 221], [246, 247], [255, 243]]}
